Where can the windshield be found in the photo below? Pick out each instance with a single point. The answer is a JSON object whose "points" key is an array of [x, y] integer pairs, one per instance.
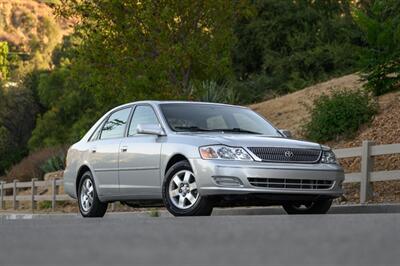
{"points": [[184, 117]]}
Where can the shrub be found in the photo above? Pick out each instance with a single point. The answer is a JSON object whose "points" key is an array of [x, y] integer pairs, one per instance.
{"points": [[211, 91], [45, 204], [55, 163], [339, 115], [30, 166]]}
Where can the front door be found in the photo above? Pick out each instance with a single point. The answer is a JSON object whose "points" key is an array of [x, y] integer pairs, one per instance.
{"points": [[139, 159]]}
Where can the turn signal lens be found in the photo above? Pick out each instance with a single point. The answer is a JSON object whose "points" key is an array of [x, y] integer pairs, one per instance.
{"points": [[328, 157]]}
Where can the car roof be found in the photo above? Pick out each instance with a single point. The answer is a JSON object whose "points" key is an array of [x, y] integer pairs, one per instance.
{"points": [[152, 102]]}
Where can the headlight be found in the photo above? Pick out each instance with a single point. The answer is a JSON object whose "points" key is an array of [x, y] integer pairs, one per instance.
{"points": [[224, 153], [328, 157]]}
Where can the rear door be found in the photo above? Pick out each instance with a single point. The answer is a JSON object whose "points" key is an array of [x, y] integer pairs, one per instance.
{"points": [[104, 151], [139, 159]]}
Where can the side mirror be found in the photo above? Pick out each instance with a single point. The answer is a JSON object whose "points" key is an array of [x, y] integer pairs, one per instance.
{"points": [[286, 133], [150, 129]]}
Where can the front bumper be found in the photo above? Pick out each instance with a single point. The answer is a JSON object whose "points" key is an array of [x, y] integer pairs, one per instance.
{"points": [[207, 170]]}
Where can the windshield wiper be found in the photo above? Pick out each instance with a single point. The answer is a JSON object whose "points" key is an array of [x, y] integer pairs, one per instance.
{"points": [[192, 128], [237, 130]]}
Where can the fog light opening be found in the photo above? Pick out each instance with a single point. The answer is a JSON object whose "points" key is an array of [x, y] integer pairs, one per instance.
{"points": [[228, 181]]}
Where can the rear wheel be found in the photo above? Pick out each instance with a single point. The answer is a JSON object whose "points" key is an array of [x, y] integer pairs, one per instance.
{"points": [[89, 203], [311, 207], [180, 193]]}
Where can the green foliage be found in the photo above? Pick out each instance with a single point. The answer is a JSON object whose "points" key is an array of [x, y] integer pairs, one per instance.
{"points": [[31, 165], [17, 117], [152, 50], [288, 45], [3, 61], [381, 61], [68, 110], [124, 51], [154, 213], [55, 163], [211, 91], [46, 204], [339, 115]]}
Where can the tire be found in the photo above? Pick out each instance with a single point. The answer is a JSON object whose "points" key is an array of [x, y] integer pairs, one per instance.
{"points": [[87, 191], [321, 206], [173, 190]]}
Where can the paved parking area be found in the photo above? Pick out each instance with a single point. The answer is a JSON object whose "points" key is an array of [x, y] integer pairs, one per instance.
{"points": [[130, 239]]}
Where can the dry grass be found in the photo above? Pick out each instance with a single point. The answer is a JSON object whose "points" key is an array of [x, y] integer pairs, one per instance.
{"points": [[21, 22], [290, 111], [30, 166]]}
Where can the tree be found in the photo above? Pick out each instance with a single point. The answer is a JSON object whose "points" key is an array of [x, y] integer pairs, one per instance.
{"points": [[17, 119], [152, 49], [288, 45], [3, 61], [381, 61]]}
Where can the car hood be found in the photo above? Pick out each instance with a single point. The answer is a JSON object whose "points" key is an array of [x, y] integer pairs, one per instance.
{"points": [[245, 140]]}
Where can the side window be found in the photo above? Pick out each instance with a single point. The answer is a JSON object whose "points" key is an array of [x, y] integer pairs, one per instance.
{"points": [[115, 125], [96, 134], [143, 115]]}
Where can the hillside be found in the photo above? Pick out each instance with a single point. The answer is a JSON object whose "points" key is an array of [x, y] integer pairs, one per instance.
{"points": [[31, 29], [25, 21], [290, 112]]}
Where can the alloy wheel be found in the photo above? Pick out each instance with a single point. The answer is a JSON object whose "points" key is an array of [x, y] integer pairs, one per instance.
{"points": [[183, 190], [87, 195]]}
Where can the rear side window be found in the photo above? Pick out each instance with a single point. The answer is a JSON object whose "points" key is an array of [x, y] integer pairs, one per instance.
{"points": [[143, 115], [115, 125]]}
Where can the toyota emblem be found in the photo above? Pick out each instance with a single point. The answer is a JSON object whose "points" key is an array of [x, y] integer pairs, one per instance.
{"points": [[289, 154]]}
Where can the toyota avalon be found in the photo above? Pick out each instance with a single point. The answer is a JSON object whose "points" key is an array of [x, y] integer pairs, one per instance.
{"points": [[193, 156]]}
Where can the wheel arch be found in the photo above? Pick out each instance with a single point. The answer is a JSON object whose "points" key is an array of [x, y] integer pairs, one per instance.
{"points": [[83, 169], [174, 159]]}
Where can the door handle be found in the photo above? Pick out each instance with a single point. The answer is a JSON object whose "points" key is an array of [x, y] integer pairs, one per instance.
{"points": [[124, 149], [93, 149]]}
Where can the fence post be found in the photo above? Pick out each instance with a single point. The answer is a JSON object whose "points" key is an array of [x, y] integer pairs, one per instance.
{"points": [[15, 202], [366, 166], [54, 192], [33, 194], [2, 195]]}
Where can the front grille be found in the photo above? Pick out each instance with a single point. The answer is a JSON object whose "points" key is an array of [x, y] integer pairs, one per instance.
{"points": [[290, 183], [279, 154]]}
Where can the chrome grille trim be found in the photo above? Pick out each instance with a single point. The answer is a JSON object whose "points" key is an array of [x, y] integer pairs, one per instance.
{"points": [[286, 183], [277, 154]]}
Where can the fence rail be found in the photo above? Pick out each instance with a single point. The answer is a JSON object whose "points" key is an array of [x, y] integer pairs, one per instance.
{"points": [[53, 185], [365, 177]]}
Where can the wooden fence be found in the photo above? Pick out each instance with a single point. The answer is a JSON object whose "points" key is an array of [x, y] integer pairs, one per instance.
{"points": [[53, 185], [365, 176]]}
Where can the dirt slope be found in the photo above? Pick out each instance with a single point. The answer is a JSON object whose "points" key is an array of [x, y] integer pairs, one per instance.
{"points": [[25, 24], [290, 111]]}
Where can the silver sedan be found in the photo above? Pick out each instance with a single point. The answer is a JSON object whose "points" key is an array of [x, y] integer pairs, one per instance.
{"points": [[192, 156]]}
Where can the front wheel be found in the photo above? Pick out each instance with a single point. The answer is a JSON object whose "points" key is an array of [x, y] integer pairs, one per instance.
{"points": [[180, 193], [321, 206], [89, 203]]}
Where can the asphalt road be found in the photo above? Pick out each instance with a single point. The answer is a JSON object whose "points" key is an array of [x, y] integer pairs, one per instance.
{"points": [[333, 239]]}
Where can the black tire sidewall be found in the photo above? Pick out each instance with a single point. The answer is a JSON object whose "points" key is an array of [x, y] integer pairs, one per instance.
{"points": [[320, 206], [98, 208], [201, 207]]}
